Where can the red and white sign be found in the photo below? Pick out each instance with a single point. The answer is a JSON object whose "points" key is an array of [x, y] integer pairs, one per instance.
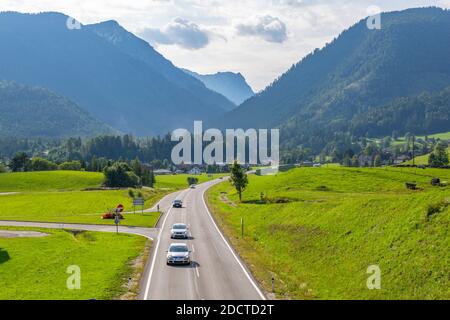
{"points": [[120, 208]]}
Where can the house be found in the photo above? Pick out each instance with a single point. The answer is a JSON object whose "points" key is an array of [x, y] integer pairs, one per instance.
{"points": [[401, 159], [162, 172], [195, 171]]}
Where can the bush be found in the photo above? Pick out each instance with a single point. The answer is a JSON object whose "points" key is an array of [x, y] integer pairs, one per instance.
{"points": [[3, 168], [131, 193], [40, 164], [119, 175], [70, 166], [192, 180]]}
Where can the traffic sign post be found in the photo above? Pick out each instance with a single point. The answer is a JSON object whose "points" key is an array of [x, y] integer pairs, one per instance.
{"points": [[117, 220], [138, 202]]}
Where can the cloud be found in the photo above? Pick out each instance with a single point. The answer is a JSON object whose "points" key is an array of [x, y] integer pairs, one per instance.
{"points": [[181, 32], [266, 27]]}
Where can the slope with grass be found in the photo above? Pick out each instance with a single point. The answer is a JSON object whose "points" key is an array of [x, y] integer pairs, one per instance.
{"points": [[57, 196], [49, 181], [421, 160], [317, 230], [35, 268]]}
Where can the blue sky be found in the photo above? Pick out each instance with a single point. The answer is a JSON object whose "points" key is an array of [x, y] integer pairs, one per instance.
{"points": [[259, 38]]}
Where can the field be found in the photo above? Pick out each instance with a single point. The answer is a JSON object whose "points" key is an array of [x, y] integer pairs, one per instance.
{"points": [[317, 230], [57, 196], [179, 181], [35, 268], [421, 160]]}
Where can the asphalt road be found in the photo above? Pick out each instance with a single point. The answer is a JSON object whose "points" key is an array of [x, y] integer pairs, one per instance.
{"points": [[216, 272]]}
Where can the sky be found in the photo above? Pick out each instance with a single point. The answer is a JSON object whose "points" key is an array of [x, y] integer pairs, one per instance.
{"points": [[259, 38]]}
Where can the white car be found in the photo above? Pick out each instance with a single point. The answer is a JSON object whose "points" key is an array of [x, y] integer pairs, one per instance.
{"points": [[179, 231], [178, 253]]}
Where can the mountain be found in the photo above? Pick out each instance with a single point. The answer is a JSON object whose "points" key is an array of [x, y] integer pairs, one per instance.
{"points": [[334, 91], [115, 76], [231, 85], [37, 112]]}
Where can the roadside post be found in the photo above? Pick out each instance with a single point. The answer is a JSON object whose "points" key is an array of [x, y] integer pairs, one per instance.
{"points": [[273, 284], [138, 202], [157, 207], [117, 221], [119, 209]]}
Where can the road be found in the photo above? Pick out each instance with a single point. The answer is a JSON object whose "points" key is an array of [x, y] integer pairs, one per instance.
{"points": [[216, 272], [149, 233]]}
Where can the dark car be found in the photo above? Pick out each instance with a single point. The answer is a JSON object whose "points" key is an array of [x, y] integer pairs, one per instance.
{"points": [[178, 204]]}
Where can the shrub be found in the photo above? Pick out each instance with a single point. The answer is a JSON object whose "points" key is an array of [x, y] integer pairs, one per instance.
{"points": [[40, 164], [70, 166], [119, 175]]}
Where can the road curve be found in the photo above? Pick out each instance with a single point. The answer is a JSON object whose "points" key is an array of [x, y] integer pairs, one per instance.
{"points": [[149, 233], [216, 273]]}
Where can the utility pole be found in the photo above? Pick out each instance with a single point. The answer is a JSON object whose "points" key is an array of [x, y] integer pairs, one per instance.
{"points": [[413, 151]]}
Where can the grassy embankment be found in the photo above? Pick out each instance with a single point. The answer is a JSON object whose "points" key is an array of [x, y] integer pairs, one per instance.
{"points": [[57, 196], [35, 268], [421, 160], [321, 228]]}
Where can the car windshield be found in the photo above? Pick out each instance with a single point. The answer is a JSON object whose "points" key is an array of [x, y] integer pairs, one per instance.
{"points": [[178, 249], [179, 226], [177, 201]]}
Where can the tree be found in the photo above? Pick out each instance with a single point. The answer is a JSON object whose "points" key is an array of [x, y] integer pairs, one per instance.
{"points": [[355, 161], [377, 161], [439, 157], [40, 164], [192, 180], [119, 175], [20, 162], [3, 168], [70, 165], [347, 162], [238, 179], [148, 178]]}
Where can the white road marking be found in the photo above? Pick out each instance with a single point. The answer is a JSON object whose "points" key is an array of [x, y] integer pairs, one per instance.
{"points": [[155, 255], [147, 288], [193, 249], [196, 271], [231, 250]]}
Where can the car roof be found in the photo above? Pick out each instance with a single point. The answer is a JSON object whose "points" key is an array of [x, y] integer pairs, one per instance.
{"points": [[177, 200], [178, 244], [179, 224]]}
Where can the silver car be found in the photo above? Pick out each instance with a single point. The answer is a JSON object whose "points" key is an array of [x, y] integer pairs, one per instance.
{"points": [[179, 231], [178, 253]]}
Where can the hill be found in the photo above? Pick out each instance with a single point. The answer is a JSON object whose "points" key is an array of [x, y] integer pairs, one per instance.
{"points": [[107, 71], [318, 230], [37, 112], [342, 88], [231, 85]]}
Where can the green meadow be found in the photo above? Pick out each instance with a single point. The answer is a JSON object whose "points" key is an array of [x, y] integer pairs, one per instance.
{"points": [[317, 230], [179, 181], [58, 196], [35, 268]]}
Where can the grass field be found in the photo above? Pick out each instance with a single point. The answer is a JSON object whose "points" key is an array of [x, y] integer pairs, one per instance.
{"points": [[422, 160], [319, 229], [35, 268], [179, 181], [49, 181], [56, 196]]}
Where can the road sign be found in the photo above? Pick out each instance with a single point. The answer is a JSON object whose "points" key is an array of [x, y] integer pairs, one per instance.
{"points": [[120, 208], [138, 202]]}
